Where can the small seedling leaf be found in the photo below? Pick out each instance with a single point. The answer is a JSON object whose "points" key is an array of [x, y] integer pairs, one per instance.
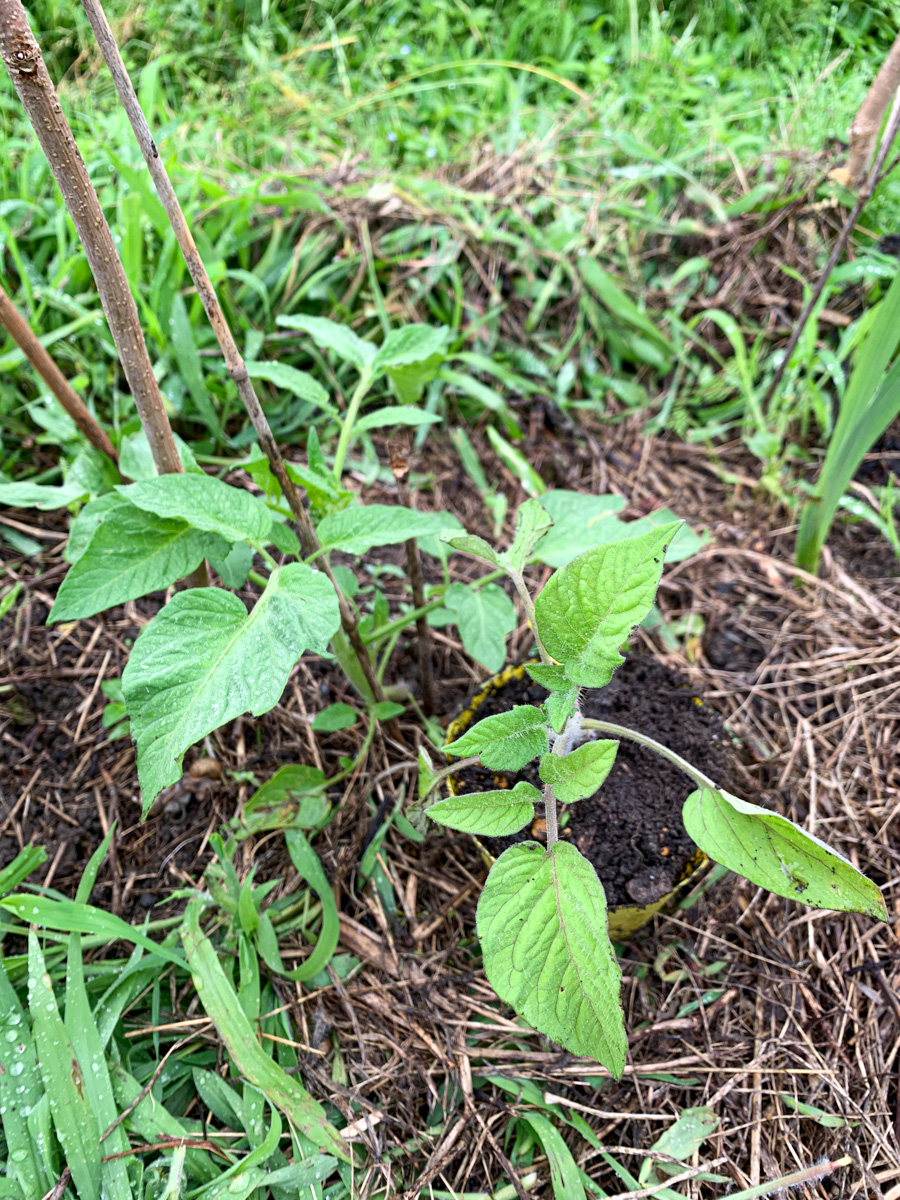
{"points": [[772, 852], [484, 616], [131, 553], [331, 336], [590, 608], [395, 414], [559, 706], [203, 660], [551, 676], [532, 522], [412, 344], [579, 774], [335, 717], [491, 814], [469, 543], [543, 929], [205, 503], [505, 742]]}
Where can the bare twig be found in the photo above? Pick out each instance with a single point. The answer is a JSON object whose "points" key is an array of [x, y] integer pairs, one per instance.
{"points": [[234, 361], [867, 122], [25, 64], [865, 194], [17, 328]]}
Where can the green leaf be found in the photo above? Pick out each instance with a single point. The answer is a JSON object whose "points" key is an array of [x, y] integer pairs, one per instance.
{"points": [[205, 503], [468, 543], [298, 383], [20, 868], [532, 522], [335, 717], [542, 926], [559, 706], [73, 1118], [397, 414], [580, 522], [283, 538], [565, 1178], [413, 344], [67, 916], [235, 567], [136, 458], [686, 542], [294, 795], [578, 774], [185, 348], [356, 530], [551, 676], [772, 852], [325, 495], [621, 306], [505, 742], [131, 553], [386, 710], [203, 660], [484, 616], [220, 1001], [589, 608], [20, 1090], [331, 336], [86, 524], [491, 814], [679, 1141], [43, 496], [409, 382]]}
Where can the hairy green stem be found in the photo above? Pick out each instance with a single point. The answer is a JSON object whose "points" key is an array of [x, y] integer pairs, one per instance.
{"points": [[365, 382], [550, 816], [642, 740], [527, 601]]}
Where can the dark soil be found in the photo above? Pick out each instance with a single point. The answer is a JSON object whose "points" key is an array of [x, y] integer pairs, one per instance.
{"points": [[631, 829]]}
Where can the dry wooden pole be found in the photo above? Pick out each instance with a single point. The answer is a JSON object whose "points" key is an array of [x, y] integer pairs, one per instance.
{"points": [[867, 122], [17, 328], [23, 60], [865, 194], [234, 361]]}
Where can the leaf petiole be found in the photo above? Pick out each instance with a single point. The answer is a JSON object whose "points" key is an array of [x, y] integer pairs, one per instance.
{"points": [[642, 740]]}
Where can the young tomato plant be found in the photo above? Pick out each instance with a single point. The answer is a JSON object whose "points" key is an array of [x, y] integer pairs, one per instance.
{"points": [[542, 917]]}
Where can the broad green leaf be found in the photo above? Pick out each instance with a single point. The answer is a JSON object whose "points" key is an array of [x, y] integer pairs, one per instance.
{"points": [[532, 522], [469, 543], [220, 1001], [283, 538], [74, 1120], [204, 660], [591, 607], [325, 495], [331, 336], [397, 414], [565, 1178], [505, 742], [205, 503], [551, 676], [409, 381], [484, 616], [131, 553], [410, 345], [335, 717], [43, 496], [680, 1141], [294, 795], [136, 458], [578, 774], [559, 706], [385, 710], [491, 814], [234, 568], [686, 542], [580, 522], [772, 852], [298, 383], [356, 530], [543, 931], [88, 521]]}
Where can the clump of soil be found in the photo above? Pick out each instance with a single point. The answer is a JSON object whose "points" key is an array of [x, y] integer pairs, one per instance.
{"points": [[631, 829]]}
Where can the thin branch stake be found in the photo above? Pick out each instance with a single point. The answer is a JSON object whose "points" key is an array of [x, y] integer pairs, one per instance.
{"points": [[865, 194], [234, 361], [17, 328]]}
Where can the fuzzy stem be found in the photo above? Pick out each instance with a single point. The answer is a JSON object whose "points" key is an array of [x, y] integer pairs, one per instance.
{"points": [[234, 361], [46, 368], [550, 816], [519, 583], [642, 740]]}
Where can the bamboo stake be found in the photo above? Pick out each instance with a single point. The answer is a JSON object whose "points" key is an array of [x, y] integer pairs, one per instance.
{"points": [[867, 122], [234, 361], [46, 368], [25, 64]]}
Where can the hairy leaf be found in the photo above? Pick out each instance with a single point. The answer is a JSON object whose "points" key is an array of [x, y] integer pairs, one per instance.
{"points": [[410, 344], [469, 543], [484, 616], [559, 706], [532, 522], [580, 522], [203, 660], [205, 503], [505, 742], [772, 852], [589, 608], [551, 676], [543, 931], [131, 553], [578, 774], [491, 814]]}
